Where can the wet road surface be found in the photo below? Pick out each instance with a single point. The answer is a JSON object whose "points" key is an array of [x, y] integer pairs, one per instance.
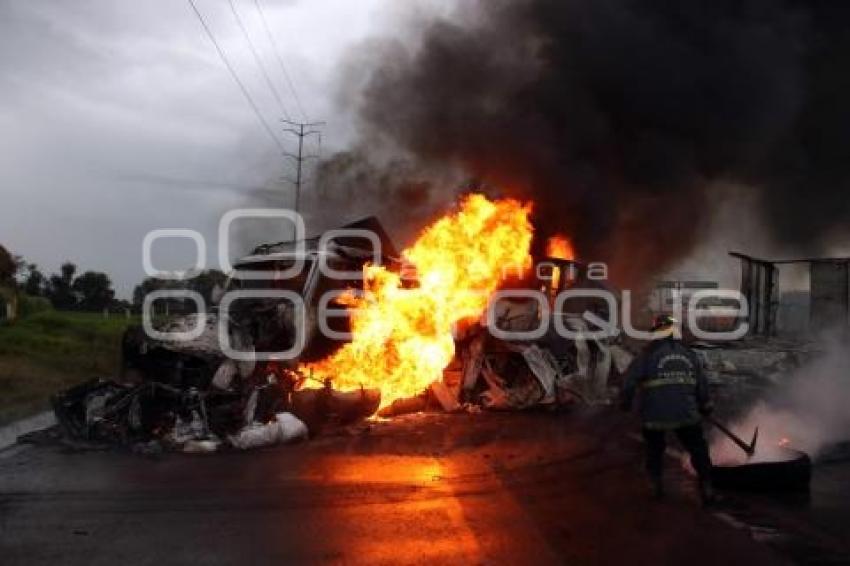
{"points": [[532, 488]]}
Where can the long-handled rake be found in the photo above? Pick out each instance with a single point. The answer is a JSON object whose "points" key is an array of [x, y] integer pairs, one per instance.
{"points": [[750, 448]]}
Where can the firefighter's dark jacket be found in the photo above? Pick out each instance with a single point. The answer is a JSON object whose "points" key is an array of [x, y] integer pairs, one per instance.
{"points": [[672, 384]]}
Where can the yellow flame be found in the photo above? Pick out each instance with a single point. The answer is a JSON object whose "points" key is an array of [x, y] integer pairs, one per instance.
{"points": [[402, 337]]}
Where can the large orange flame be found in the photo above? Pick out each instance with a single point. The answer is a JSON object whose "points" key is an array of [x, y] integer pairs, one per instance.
{"points": [[402, 337]]}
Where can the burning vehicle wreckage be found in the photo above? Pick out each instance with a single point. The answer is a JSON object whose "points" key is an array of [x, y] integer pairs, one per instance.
{"points": [[417, 340]]}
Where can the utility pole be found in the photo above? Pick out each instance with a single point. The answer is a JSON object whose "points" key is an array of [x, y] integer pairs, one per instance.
{"points": [[301, 130]]}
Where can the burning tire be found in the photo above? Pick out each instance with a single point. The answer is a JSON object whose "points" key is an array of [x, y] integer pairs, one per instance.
{"points": [[792, 473]]}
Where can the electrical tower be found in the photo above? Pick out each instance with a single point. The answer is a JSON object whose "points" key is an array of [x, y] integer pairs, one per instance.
{"points": [[301, 130]]}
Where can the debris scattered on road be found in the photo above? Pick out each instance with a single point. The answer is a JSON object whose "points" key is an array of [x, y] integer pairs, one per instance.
{"points": [[152, 416]]}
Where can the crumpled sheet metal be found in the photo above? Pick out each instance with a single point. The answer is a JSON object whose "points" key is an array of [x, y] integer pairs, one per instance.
{"points": [[584, 375], [535, 387]]}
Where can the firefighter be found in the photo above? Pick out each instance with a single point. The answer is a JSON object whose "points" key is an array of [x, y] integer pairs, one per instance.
{"points": [[673, 398]]}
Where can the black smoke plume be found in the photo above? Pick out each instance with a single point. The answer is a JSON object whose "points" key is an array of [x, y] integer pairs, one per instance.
{"points": [[616, 117]]}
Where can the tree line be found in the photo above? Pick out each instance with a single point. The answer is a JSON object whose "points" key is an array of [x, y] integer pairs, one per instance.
{"points": [[92, 290], [66, 290]]}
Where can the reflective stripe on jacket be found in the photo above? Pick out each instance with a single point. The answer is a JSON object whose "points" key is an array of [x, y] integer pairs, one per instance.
{"points": [[672, 386]]}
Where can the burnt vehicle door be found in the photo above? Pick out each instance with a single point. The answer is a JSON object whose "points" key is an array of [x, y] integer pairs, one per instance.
{"points": [[271, 322], [329, 319]]}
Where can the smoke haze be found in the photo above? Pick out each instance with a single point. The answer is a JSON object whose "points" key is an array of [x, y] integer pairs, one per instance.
{"points": [[617, 117], [808, 411]]}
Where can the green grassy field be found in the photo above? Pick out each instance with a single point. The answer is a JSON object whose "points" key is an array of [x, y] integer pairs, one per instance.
{"points": [[49, 351]]}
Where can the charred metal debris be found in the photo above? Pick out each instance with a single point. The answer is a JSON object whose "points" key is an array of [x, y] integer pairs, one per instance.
{"points": [[189, 396]]}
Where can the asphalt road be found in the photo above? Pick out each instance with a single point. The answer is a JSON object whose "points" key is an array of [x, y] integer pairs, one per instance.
{"points": [[431, 489]]}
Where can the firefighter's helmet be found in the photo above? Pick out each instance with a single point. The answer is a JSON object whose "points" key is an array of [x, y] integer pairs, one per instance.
{"points": [[663, 322]]}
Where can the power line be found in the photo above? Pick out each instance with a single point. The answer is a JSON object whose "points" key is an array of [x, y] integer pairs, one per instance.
{"points": [[233, 74], [301, 130], [257, 59], [289, 82]]}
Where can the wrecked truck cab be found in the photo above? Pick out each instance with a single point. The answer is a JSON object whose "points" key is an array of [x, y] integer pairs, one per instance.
{"points": [[281, 307], [195, 381], [258, 320]]}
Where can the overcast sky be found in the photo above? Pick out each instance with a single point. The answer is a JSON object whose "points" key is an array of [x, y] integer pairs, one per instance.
{"points": [[118, 117]]}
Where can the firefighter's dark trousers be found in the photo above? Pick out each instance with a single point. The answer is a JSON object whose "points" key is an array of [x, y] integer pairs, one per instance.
{"points": [[692, 440]]}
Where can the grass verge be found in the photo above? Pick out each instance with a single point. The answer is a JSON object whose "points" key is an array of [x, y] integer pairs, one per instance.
{"points": [[49, 351]]}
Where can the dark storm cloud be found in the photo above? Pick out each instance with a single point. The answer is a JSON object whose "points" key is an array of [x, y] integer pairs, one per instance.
{"points": [[616, 116]]}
